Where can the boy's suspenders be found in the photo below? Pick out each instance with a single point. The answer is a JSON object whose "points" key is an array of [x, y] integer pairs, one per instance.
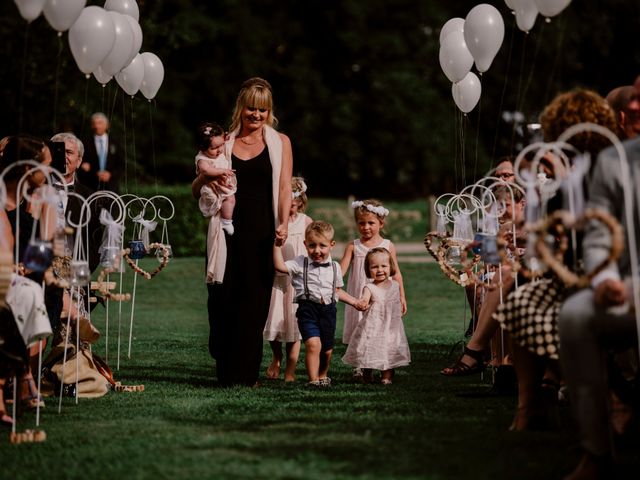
{"points": [[305, 271]]}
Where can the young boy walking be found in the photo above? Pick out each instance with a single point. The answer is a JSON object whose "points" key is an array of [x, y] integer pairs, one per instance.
{"points": [[317, 281]]}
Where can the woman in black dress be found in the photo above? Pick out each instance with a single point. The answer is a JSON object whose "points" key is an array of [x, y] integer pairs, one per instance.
{"points": [[238, 308]]}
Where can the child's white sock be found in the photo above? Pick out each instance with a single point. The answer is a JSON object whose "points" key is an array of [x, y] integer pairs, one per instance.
{"points": [[227, 226]]}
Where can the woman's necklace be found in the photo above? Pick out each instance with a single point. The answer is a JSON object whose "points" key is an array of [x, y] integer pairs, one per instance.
{"points": [[257, 139]]}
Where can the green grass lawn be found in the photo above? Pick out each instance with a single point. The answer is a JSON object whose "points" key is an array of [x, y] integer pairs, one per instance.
{"points": [[425, 426]]}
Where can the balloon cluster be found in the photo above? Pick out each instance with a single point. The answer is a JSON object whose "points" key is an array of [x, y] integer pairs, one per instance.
{"points": [[478, 38], [526, 11], [104, 42]]}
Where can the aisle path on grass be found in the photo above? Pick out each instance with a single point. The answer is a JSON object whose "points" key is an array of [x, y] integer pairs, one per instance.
{"points": [[409, 252]]}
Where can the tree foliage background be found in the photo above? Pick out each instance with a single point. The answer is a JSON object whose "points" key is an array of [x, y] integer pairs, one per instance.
{"points": [[358, 86]]}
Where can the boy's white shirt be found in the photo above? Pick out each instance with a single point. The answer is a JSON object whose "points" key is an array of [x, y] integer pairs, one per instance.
{"points": [[319, 279]]}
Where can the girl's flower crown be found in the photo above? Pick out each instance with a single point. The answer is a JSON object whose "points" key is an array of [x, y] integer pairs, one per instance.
{"points": [[303, 188], [207, 131], [378, 210]]}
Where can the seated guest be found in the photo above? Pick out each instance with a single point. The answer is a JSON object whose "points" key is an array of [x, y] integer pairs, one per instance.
{"points": [[25, 297], [472, 360], [596, 320], [530, 313]]}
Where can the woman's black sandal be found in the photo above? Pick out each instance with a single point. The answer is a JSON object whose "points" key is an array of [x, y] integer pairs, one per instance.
{"points": [[461, 369]]}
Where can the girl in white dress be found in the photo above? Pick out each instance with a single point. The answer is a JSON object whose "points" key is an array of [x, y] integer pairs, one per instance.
{"points": [[282, 324], [369, 216], [217, 198], [378, 341]]}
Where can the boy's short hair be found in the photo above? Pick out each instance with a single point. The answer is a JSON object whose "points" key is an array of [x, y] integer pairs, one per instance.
{"points": [[392, 264], [320, 228]]}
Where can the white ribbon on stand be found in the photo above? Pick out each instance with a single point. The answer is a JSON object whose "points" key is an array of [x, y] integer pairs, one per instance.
{"points": [[146, 226]]}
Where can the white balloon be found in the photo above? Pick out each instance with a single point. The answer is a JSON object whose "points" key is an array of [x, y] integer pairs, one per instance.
{"points": [[526, 14], [61, 14], [119, 56], [30, 9], [130, 77], [483, 32], [153, 75], [126, 7], [509, 3], [452, 25], [91, 38], [101, 77], [455, 59], [137, 37], [466, 92], [551, 8]]}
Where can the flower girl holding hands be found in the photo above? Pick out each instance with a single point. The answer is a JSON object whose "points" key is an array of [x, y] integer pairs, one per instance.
{"points": [[369, 217], [282, 324], [378, 341]]}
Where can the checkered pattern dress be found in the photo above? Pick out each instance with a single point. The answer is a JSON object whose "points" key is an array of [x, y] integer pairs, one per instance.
{"points": [[530, 315]]}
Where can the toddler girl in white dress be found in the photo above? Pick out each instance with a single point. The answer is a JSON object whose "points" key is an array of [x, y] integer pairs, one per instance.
{"points": [[378, 341]]}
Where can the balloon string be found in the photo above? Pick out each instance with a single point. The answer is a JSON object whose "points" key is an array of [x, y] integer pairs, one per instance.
{"points": [[475, 162], [539, 36], [86, 102], [556, 60], [153, 146], [57, 84], [463, 127], [519, 89], [504, 89], [113, 103], [133, 149], [455, 147], [24, 74], [126, 157]]}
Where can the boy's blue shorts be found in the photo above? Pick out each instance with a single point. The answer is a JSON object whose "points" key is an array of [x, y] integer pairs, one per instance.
{"points": [[317, 320]]}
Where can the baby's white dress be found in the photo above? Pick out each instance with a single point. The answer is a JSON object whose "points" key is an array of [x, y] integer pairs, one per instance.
{"points": [[282, 324], [211, 197], [378, 341], [357, 280]]}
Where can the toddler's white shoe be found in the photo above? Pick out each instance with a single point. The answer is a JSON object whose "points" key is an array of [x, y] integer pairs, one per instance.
{"points": [[227, 226]]}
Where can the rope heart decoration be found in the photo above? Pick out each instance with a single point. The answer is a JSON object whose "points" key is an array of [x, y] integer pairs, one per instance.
{"points": [[460, 277], [559, 223], [166, 252], [506, 254], [428, 243], [103, 287]]}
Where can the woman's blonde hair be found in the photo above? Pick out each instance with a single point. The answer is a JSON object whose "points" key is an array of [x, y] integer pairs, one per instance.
{"points": [[299, 187], [255, 92]]}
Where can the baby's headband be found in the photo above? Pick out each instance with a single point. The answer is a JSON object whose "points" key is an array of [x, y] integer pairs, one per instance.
{"points": [[378, 210]]}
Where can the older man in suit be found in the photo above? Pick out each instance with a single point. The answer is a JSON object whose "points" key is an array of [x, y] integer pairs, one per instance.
{"points": [[72, 205], [596, 320], [102, 163]]}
